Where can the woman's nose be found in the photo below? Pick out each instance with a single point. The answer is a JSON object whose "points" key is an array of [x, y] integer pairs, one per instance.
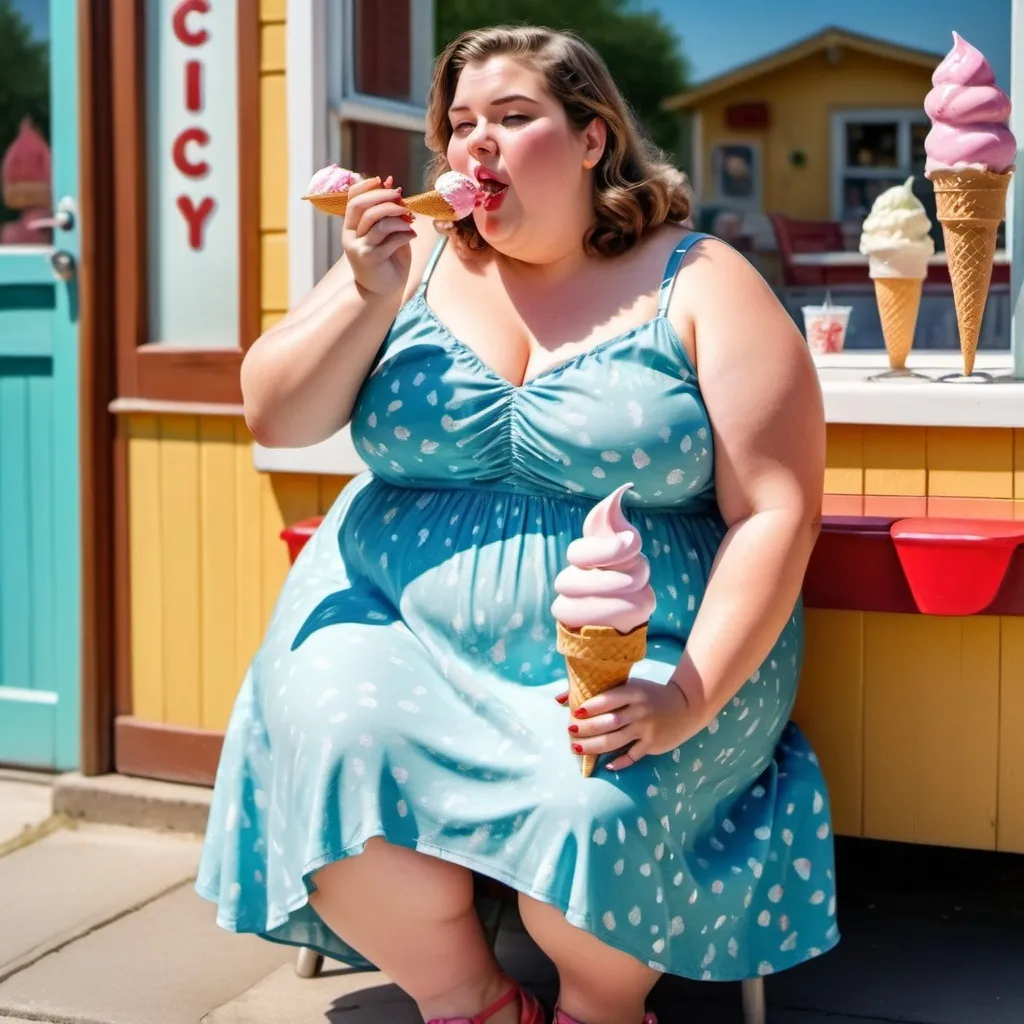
{"points": [[480, 140]]}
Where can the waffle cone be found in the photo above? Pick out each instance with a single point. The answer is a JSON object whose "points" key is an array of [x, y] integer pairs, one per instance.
{"points": [[970, 206], [598, 658], [430, 204], [899, 299]]}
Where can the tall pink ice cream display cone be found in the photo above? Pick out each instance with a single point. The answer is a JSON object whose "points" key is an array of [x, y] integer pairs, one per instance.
{"points": [[604, 604], [970, 154]]}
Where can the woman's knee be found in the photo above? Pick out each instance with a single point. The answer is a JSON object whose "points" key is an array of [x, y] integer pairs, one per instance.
{"points": [[391, 875]]}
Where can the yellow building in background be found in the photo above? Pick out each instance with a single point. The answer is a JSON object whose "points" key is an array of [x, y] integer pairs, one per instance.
{"points": [[813, 131]]}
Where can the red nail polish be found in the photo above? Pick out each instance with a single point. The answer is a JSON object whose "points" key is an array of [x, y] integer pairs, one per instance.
{"points": [[562, 698], [577, 748], [574, 729], [580, 712], [409, 218]]}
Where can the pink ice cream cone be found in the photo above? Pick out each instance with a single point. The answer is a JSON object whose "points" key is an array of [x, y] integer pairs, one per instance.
{"points": [[603, 606]]}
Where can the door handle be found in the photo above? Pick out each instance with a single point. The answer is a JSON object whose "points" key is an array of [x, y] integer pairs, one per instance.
{"points": [[63, 218], [63, 264]]}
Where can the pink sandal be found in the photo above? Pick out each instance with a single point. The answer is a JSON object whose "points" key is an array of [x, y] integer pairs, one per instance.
{"points": [[530, 1011], [561, 1017]]}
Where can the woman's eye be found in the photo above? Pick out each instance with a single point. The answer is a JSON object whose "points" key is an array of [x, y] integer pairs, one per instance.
{"points": [[515, 119], [463, 126]]}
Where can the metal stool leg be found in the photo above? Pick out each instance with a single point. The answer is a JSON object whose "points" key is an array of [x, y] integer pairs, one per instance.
{"points": [[754, 1010], [308, 963]]}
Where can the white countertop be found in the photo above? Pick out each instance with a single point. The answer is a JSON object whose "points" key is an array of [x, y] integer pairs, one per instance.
{"points": [[851, 396]]}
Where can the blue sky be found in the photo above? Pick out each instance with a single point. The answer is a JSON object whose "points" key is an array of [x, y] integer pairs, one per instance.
{"points": [[720, 36]]}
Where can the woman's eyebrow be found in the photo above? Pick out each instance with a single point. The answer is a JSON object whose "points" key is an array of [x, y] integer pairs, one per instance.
{"points": [[515, 97]]}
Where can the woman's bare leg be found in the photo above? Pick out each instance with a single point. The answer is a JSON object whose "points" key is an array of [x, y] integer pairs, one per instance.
{"points": [[597, 984], [413, 917]]}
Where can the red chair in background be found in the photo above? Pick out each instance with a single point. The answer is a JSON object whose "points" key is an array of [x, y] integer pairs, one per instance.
{"points": [[804, 236]]}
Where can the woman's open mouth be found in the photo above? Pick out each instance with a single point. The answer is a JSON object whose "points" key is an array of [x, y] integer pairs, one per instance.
{"points": [[494, 193]]}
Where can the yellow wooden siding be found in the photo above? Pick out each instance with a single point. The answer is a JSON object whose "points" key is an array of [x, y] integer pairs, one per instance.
{"points": [[801, 98], [984, 465], [830, 708], [273, 161], [1010, 827], [917, 721], [207, 561]]}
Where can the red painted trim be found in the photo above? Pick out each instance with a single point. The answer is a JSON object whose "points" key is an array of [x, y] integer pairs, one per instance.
{"points": [[855, 566]]}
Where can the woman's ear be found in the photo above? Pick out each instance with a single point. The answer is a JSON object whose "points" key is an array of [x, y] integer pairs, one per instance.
{"points": [[596, 137]]}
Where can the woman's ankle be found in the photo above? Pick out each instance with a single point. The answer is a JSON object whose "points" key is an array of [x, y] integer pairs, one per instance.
{"points": [[470, 1000]]}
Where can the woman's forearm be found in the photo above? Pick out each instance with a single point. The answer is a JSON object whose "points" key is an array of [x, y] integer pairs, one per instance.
{"points": [[300, 379], [754, 584]]}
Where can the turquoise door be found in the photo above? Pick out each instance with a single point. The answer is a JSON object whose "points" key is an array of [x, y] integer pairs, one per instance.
{"points": [[40, 569]]}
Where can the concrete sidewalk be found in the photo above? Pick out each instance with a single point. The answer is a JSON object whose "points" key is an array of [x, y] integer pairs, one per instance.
{"points": [[99, 925]]}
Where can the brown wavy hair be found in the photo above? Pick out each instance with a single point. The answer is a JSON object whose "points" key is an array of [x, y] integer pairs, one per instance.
{"points": [[635, 187]]}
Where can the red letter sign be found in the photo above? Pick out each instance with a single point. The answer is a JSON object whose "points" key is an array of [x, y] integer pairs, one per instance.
{"points": [[195, 217], [180, 22], [191, 169]]}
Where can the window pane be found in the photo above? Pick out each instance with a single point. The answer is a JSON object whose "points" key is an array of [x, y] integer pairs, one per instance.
{"points": [[383, 50], [860, 193], [373, 149], [25, 123], [384, 151], [871, 145]]}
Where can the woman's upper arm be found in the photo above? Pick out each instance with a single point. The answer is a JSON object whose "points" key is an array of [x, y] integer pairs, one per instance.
{"points": [[341, 273], [759, 383]]}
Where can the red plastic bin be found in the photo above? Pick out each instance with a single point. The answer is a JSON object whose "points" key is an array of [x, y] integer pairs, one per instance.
{"points": [[296, 534]]}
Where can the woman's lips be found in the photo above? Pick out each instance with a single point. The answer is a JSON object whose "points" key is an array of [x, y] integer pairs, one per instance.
{"points": [[492, 200]]}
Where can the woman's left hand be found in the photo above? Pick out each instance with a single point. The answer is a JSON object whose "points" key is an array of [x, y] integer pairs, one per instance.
{"points": [[640, 716]]}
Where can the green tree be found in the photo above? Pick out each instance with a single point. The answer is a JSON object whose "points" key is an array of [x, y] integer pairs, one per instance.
{"points": [[642, 52], [24, 81]]}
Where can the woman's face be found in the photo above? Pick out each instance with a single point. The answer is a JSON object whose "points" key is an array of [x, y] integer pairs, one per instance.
{"points": [[513, 137]]}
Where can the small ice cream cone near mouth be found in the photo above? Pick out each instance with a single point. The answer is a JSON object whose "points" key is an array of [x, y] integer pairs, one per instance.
{"points": [[604, 604], [453, 197], [896, 240], [970, 152]]}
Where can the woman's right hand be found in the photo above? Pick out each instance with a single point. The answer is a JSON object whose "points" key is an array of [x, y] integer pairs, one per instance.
{"points": [[375, 237]]}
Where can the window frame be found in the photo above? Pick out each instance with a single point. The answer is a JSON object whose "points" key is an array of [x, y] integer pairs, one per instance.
{"points": [[171, 369], [756, 203], [840, 169], [323, 102]]}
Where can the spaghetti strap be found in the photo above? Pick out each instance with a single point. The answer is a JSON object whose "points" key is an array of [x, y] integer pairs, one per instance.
{"points": [[431, 263], [665, 292]]}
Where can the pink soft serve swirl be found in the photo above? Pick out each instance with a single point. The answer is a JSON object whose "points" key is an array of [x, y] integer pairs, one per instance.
{"points": [[969, 115], [607, 580]]}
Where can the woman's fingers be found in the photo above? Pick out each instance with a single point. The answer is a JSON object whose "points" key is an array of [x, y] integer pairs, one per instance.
{"points": [[393, 243], [365, 199], [598, 725], [382, 229], [607, 742], [627, 758], [380, 212], [611, 700]]}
